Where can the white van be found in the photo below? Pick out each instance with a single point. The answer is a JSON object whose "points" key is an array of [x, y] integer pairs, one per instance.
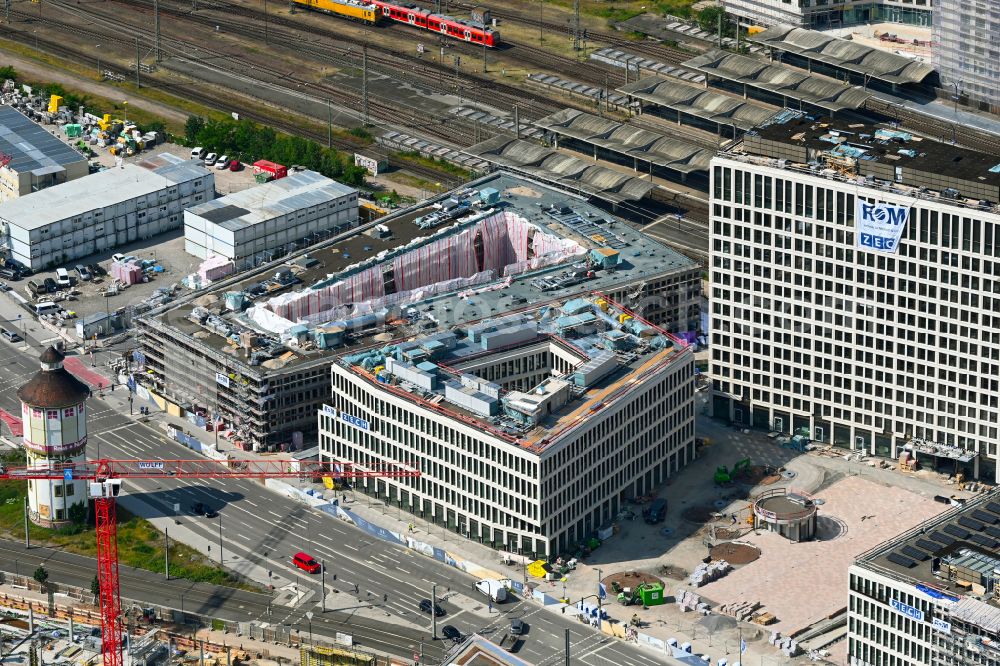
{"points": [[493, 589], [46, 307], [62, 278], [197, 153]]}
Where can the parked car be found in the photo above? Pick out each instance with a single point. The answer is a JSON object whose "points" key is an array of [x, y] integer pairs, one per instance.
{"points": [[10, 336], [235, 165], [425, 607], [117, 256], [306, 562], [96, 270], [451, 633], [516, 627], [50, 286], [197, 153], [62, 278], [656, 512], [210, 159], [222, 162], [82, 271], [10, 274]]}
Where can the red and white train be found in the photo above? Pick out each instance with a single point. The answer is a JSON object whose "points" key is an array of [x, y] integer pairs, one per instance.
{"points": [[418, 17]]}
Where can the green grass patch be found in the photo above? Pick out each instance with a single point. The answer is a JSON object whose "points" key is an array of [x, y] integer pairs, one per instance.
{"points": [[446, 168], [140, 545]]}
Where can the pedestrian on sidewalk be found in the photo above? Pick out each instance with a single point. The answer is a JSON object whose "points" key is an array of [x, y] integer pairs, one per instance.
{"points": [[733, 517], [356, 589]]}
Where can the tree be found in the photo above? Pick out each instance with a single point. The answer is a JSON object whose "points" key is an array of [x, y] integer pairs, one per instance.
{"points": [[193, 127], [78, 513], [7, 72], [41, 575], [95, 587], [708, 20]]}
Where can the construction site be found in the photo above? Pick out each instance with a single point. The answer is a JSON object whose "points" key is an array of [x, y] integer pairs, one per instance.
{"points": [[255, 351]]}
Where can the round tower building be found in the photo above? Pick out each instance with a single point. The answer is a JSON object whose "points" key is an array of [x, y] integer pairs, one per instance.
{"points": [[53, 412]]}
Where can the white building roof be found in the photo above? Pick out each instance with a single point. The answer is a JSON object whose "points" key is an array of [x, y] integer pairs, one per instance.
{"points": [[252, 206], [95, 191]]}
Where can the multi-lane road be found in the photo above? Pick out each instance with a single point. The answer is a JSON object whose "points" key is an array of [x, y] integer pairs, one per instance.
{"points": [[265, 528]]}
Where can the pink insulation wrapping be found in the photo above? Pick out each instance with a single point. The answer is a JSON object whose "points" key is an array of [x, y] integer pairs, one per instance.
{"points": [[129, 273], [216, 267], [507, 239]]}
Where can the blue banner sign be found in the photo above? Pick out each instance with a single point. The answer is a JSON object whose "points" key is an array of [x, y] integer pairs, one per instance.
{"points": [[908, 611], [354, 421], [879, 226]]}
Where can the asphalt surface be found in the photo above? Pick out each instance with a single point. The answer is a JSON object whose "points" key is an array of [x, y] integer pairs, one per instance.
{"points": [[257, 520]]}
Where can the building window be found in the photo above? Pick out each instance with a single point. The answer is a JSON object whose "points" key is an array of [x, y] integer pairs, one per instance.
{"points": [[52, 414], [69, 411]]}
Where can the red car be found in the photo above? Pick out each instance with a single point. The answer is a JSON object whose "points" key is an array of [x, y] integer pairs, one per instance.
{"points": [[235, 165], [306, 563]]}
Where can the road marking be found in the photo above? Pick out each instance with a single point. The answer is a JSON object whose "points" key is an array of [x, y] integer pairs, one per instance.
{"points": [[250, 503], [276, 515]]}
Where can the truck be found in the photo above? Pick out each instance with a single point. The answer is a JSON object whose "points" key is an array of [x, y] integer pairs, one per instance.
{"points": [[493, 589]]}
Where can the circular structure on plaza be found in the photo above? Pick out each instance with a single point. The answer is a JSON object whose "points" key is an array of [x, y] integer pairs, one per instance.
{"points": [[735, 553], [792, 514]]}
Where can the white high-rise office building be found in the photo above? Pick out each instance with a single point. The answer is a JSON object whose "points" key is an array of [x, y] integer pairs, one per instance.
{"points": [[855, 291]]}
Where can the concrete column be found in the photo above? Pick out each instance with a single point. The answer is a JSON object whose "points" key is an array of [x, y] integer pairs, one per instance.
{"points": [[31, 618], [71, 625]]}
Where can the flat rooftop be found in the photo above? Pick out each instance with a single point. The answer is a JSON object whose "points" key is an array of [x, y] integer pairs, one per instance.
{"points": [[98, 190], [30, 146], [871, 142], [964, 542], [560, 220], [612, 352], [250, 207], [841, 148]]}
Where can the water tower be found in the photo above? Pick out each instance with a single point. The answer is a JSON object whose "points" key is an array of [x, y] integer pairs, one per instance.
{"points": [[54, 415]]}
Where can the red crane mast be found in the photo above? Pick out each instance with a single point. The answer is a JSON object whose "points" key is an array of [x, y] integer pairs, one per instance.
{"points": [[105, 479]]}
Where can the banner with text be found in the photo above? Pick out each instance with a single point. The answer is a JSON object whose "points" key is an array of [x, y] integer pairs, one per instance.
{"points": [[879, 226]]}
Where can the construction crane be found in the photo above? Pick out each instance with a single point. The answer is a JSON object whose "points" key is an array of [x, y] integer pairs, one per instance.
{"points": [[105, 480]]}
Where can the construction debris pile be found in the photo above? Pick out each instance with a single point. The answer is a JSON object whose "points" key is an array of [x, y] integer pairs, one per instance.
{"points": [[121, 137]]}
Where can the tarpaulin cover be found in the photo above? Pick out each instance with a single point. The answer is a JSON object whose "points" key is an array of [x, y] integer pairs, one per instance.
{"points": [[507, 245]]}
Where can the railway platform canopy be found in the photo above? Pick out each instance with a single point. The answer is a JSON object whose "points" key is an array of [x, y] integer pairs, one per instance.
{"points": [[552, 166], [844, 55], [634, 143], [684, 98], [781, 80]]}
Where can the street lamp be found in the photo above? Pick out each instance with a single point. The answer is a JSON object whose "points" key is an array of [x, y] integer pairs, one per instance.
{"points": [[309, 617], [97, 50], [220, 538]]}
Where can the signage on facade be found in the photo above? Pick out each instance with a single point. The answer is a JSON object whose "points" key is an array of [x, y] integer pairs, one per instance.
{"points": [[354, 421], [941, 625], [222, 379], [879, 226], [330, 411], [908, 611]]}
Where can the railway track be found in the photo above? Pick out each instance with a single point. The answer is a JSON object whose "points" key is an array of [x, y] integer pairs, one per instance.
{"points": [[194, 93], [396, 64], [110, 30]]}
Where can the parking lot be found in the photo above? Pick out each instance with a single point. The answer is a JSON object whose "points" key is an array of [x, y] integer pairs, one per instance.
{"points": [[91, 292]]}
